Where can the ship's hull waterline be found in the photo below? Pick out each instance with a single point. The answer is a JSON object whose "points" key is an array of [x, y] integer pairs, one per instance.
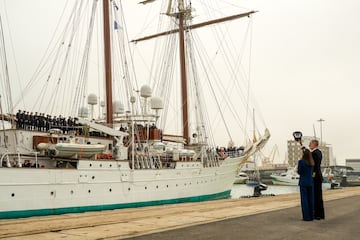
{"points": [[104, 185]]}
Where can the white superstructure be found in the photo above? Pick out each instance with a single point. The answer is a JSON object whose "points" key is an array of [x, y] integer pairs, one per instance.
{"points": [[49, 172]]}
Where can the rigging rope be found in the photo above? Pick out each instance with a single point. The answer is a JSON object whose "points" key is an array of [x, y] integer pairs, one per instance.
{"points": [[45, 59], [123, 50], [213, 92], [13, 54], [5, 71], [83, 74], [229, 53]]}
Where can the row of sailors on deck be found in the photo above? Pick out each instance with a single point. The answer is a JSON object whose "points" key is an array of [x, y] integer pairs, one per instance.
{"points": [[41, 122], [138, 127], [229, 149], [224, 152]]}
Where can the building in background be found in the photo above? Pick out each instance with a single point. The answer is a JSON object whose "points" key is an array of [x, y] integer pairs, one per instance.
{"points": [[354, 163], [248, 166], [294, 152]]}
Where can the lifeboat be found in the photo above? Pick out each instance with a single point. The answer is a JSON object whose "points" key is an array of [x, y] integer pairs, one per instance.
{"points": [[83, 150]]}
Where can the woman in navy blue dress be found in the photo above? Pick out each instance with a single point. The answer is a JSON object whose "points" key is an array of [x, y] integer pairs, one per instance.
{"points": [[306, 183]]}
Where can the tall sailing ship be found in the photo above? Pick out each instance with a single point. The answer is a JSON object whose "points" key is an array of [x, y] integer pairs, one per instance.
{"points": [[52, 165]]}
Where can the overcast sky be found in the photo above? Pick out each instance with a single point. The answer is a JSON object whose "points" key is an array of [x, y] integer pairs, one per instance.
{"points": [[308, 54], [305, 64]]}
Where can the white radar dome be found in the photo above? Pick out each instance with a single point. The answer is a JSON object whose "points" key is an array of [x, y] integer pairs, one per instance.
{"points": [[145, 91], [156, 103], [118, 107], [92, 99], [83, 112]]}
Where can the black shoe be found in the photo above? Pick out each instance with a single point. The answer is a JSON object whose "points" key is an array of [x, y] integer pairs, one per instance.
{"points": [[317, 218]]}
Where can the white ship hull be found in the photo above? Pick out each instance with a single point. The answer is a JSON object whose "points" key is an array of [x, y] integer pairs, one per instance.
{"points": [[55, 164], [109, 185]]}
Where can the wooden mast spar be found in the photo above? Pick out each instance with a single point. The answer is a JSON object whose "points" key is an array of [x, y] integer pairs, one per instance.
{"points": [[184, 98], [108, 67], [182, 15]]}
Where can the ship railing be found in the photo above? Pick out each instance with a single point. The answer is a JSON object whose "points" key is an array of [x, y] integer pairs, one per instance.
{"points": [[143, 161], [6, 156], [211, 160]]}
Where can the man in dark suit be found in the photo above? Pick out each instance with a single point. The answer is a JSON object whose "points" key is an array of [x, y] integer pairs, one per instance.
{"points": [[318, 179]]}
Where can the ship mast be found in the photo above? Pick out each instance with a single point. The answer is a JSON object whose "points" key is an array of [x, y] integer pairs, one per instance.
{"points": [[183, 15], [184, 96], [108, 68]]}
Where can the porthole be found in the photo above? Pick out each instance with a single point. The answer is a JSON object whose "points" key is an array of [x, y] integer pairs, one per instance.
{"points": [[145, 188], [13, 194], [157, 186], [93, 177], [110, 165], [100, 165], [72, 192], [176, 185], [89, 191], [110, 190], [129, 189], [90, 165], [52, 193], [184, 184], [167, 186]]}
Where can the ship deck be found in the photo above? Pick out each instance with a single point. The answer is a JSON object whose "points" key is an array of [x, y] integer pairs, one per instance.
{"points": [[158, 221]]}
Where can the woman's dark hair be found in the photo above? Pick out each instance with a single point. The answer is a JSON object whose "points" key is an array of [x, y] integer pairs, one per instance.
{"points": [[307, 156]]}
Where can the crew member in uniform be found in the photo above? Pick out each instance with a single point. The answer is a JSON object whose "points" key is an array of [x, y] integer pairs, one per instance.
{"points": [[18, 119], [32, 121], [22, 121], [27, 121]]}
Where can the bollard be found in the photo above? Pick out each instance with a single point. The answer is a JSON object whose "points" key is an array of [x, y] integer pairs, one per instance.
{"points": [[343, 182]]}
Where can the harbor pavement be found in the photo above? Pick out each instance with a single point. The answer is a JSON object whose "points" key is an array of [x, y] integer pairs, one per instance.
{"points": [[277, 217], [342, 222]]}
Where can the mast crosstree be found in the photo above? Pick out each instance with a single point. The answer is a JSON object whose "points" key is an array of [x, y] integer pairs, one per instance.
{"points": [[182, 15]]}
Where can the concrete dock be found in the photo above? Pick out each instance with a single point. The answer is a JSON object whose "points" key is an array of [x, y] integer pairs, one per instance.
{"points": [[277, 217]]}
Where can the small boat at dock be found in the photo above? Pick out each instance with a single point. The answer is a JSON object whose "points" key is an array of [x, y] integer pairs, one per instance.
{"points": [[241, 178], [288, 178]]}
